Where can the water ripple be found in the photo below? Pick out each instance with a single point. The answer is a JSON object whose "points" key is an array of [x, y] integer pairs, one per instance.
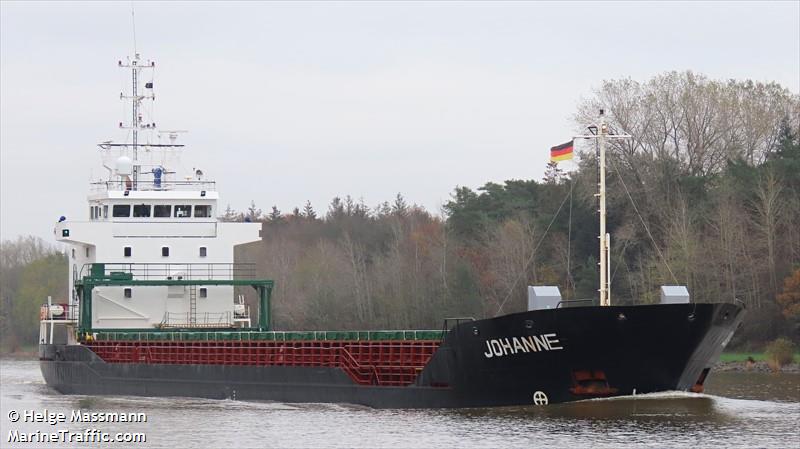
{"points": [[738, 412]]}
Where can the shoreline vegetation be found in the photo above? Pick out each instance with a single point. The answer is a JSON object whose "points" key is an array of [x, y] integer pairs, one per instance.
{"points": [[756, 362]]}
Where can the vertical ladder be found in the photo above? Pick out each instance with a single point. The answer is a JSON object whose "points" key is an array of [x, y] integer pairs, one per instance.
{"points": [[192, 305]]}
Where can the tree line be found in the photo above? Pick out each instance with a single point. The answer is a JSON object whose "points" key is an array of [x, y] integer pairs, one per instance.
{"points": [[706, 194], [30, 271]]}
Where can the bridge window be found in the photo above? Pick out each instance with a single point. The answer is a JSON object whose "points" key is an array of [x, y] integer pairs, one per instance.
{"points": [[203, 251], [91, 213], [141, 210], [126, 251], [161, 210], [203, 292], [183, 211], [87, 252], [202, 211], [121, 210], [105, 210], [128, 293], [165, 251]]}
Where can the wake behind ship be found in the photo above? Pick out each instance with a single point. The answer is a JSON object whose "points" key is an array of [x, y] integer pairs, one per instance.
{"points": [[153, 312]]}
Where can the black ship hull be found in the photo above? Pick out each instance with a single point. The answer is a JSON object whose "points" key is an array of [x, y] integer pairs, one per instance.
{"points": [[536, 357]]}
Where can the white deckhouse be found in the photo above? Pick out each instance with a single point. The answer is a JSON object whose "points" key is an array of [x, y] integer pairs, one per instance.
{"points": [[154, 219]]}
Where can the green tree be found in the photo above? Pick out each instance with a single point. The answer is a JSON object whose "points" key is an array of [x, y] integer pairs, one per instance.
{"points": [[275, 215], [553, 174], [15, 258], [253, 213], [41, 278], [789, 299], [400, 207], [308, 212]]}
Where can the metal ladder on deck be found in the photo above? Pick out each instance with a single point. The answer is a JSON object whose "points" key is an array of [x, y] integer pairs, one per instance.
{"points": [[192, 304]]}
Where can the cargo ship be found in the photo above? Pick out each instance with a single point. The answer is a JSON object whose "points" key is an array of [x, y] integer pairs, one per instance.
{"points": [[156, 309]]}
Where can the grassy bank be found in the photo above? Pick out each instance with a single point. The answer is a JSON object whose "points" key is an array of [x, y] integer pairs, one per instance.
{"points": [[742, 356]]}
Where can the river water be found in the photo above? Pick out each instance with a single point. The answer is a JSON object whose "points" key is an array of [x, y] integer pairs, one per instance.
{"points": [[738, 410]]}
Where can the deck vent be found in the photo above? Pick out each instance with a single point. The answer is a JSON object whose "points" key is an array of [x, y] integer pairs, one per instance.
{"points": [[674, 294], [543, 297]]}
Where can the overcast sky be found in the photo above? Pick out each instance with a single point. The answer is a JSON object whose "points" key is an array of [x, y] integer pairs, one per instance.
{"points": [[288, 102]]}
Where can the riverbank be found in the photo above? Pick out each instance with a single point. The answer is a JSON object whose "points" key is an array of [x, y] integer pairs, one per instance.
{"points": [[752, 361], [27, 352], [755, 367]]}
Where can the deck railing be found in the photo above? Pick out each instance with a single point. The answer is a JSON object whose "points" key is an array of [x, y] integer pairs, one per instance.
{"points": [[151, 186], [255, 335], [59, 312], [170, 271], [215, 320]]}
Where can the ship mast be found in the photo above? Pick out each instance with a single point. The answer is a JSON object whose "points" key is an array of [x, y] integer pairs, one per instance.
{"points": [[600, 133], [136, 67]]}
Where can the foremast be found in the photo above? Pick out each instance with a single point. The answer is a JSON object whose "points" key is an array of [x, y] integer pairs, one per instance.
{"points": [[600, 133]]}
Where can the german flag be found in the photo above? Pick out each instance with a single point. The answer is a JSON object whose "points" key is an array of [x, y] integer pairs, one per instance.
{"points": [[561, 152]]}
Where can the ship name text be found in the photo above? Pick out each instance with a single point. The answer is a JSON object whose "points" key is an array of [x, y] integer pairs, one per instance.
{"points": [[500, 347]]}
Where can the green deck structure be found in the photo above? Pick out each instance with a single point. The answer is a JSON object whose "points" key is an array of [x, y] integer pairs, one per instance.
{"points": [[98, 277]]}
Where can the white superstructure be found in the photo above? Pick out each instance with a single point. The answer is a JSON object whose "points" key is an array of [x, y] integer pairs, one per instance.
{"points": [[151, 217]]}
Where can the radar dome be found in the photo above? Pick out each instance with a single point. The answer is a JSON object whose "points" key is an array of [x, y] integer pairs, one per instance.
{"points": [[124, 166]]}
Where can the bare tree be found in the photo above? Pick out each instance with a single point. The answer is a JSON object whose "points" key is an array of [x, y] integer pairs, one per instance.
{"points": [[768, 207]]}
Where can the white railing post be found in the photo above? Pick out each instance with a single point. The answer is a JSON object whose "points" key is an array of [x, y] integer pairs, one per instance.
{"points": [[50, 316]]}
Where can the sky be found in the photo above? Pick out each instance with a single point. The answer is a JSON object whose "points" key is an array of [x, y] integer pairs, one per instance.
{"points": [[292, 102]]}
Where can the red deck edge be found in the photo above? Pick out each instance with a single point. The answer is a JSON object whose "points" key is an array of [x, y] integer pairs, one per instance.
{"points": [[381, 363]]}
